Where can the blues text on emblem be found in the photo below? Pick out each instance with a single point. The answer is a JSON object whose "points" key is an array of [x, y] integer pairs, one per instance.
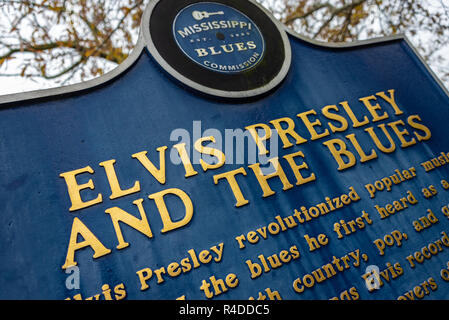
{"points": [[218, 37]]}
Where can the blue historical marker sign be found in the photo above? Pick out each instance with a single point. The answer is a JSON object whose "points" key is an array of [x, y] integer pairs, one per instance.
{"points": [[228, 158]]}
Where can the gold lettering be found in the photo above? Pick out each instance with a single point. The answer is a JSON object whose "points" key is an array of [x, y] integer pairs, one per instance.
{"points": [[338, 154], [355, 122], [401, 134], [260, 139], [119, 215], [310, 125], [263, 178], [181, 147], [372, 108], [74, 189], [210, 151], [159, 174], [168, 224], [117, 192], [390, 100], [289, 130], [230, 177], [296, 168], [376, 140], [90, 240], [336, 117], [358, 148], [419, 126]]}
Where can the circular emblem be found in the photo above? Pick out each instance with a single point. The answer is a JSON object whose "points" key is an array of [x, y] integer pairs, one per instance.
{"points": [[218, 37], [225, 48]]}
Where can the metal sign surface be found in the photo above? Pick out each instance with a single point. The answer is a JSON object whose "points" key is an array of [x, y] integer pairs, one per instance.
{"points": [[328, 179]]}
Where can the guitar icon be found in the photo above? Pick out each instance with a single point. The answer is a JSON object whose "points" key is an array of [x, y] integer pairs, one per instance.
{"points": [[200, 15]]}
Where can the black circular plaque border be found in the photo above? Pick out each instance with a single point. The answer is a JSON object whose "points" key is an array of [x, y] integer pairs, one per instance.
{"points": [[157, 25]]}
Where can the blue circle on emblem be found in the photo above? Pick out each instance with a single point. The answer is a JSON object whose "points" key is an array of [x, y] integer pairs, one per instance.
{"points": [[218, 37]]}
